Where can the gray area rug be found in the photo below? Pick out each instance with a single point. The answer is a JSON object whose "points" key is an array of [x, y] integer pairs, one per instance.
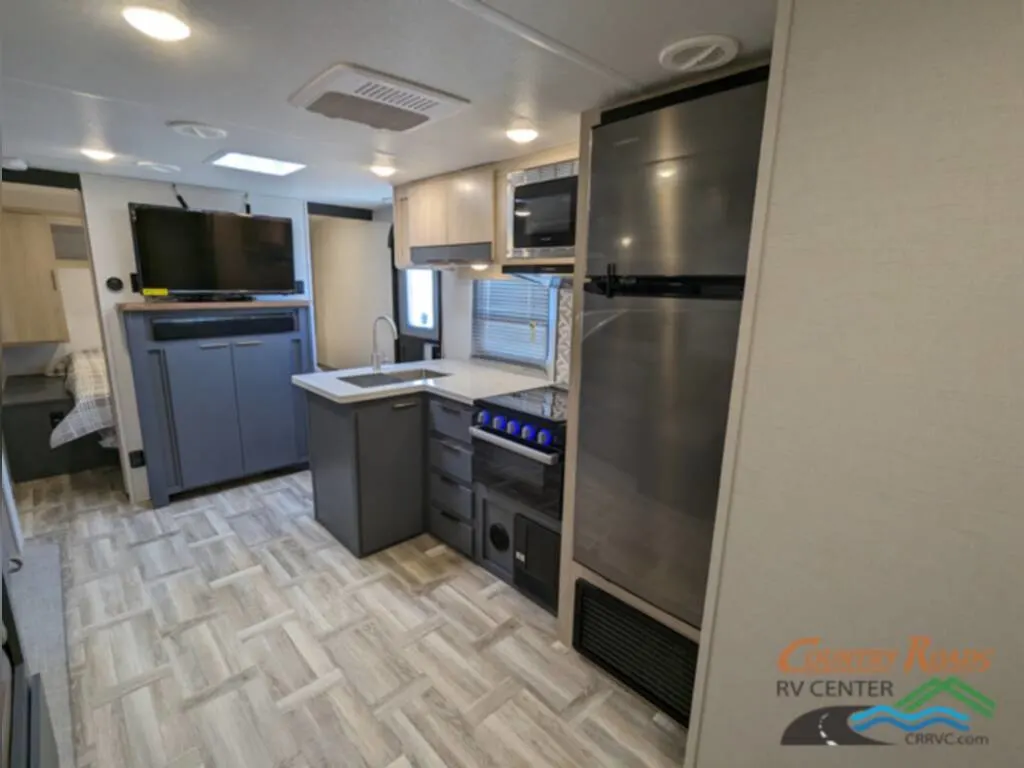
{"points": [[38, 603]]}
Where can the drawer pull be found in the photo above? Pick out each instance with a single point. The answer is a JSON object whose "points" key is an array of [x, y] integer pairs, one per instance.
{"points": [[253, 343], [451, 409], [403, 406], [223, 345], [449, 516], [453, 448]]}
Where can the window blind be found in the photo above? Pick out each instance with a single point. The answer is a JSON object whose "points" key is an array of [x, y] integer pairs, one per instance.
{"points": [[511, 321]]}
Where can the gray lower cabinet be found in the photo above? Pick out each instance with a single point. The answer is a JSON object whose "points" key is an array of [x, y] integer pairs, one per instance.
{"points": [[214, 393], [367, 462], [201, 386], [390, 471], [451, 516], [271, 437]]}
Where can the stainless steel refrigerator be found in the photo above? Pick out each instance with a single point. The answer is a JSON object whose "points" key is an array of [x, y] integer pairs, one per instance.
{"points": [[671, 202]]}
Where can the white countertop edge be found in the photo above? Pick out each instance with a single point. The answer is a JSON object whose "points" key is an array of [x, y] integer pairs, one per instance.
{"points": [[385, 391], [468, 380]]}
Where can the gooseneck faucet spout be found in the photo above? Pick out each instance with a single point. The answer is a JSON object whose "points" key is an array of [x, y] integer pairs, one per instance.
{"points": [[377, 358]]}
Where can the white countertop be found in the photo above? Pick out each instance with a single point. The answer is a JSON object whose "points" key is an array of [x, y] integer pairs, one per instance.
{"points": [[468, 381]]}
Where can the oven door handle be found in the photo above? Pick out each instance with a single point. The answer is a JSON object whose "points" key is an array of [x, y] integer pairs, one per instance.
{"points": [[529, 453]]}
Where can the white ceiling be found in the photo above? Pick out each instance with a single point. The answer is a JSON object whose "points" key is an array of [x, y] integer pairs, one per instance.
{"points": [[75, 74]]}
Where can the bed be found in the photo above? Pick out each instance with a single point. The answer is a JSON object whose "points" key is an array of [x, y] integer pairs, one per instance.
{"points": [[87, 382]]}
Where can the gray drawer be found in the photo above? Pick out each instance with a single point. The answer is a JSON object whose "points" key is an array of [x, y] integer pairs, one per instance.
{"points": [[451, 419], [450, 496], [454, 459], [456, 533]]}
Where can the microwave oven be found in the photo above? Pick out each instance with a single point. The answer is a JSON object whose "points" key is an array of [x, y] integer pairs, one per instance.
{"points": [[542, 218]]}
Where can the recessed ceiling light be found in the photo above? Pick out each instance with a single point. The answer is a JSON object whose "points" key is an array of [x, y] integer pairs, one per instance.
{"points": [[197, 130], [666, 173], [149, 165], [256, 164], [522, 132], [99, 155], [626, 241], [699, 54], [158, 24], [383, 166], [479, 267]]}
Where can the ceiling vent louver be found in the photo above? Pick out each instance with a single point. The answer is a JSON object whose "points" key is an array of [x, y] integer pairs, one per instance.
{"points": [[360, 95]]}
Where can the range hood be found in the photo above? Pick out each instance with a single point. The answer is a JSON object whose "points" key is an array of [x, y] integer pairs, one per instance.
{"points": [[462, 255], [549, 275]]}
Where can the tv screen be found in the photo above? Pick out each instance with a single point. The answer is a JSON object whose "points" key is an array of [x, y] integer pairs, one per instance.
{"points": [[184, 251]]}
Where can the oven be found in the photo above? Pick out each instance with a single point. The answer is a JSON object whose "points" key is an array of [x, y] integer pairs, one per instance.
{"points": [[543, 220], [530, 475]]}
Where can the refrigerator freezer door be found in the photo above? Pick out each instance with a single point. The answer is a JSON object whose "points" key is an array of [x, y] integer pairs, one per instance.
{"points": [[654, 399], [672, 191]]}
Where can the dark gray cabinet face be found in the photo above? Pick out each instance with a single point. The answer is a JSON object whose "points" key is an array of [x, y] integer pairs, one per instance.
{"points": [[267, 401], [391, 471], [201, 379], [332, 459]]}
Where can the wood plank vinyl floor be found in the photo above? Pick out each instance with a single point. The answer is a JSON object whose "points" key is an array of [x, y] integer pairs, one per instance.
{"points": [[230, 629]]}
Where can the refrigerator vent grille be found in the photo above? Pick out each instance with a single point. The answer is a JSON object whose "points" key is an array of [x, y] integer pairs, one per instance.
{"points": [[654, 661]]}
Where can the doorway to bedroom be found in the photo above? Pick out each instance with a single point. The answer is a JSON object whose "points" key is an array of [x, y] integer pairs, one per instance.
{"points": [[58, 422]]}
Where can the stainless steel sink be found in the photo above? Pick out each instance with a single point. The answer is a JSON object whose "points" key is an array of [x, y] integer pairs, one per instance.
{"points": [[417, 374], [366, 380], [370, 380]]}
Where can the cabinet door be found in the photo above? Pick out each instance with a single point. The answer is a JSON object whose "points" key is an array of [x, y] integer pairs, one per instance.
{"points": [[267, 401], [403, 258], [471, 207], [201, 379], [30, 301], [428, 213], [391, 479]]}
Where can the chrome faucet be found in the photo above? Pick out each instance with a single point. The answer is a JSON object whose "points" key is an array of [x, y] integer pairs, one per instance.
{"points": [[377, 357]]}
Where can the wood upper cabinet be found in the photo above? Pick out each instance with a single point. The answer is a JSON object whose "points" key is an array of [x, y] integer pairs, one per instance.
{"points": [[403, 258], [428, 213], [471, 207], [457, 209], [30, 300]]}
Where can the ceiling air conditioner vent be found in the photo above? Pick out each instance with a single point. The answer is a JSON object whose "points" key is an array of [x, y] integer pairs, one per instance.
{"points": [[359, 95]]}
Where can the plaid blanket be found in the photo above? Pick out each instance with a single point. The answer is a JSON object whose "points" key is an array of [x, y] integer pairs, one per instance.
{"points": [[88, 384]]}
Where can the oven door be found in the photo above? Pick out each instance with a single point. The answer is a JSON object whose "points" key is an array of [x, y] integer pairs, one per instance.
{"points": [[531, 476], [544, 215]]}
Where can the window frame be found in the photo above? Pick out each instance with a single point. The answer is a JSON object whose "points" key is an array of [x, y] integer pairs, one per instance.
{"points": [[552, 330]]}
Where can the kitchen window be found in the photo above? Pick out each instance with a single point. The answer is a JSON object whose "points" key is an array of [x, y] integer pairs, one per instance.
{"points": [[512, 321]]}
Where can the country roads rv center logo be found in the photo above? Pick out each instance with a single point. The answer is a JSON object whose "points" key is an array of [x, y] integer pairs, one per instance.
{"points": [[943, 711]]}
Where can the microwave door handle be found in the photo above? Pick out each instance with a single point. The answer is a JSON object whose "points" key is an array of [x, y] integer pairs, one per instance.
{"points": [[550, 459]]}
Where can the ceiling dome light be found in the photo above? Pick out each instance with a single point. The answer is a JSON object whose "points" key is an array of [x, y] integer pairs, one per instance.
{"points": [[149, 165], [99, 155], [158, 24], [383, 166], [699, 54], [522, 132], [196, 130]]}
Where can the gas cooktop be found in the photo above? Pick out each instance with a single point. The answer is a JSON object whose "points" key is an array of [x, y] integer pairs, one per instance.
{"points": [[551, 403]]}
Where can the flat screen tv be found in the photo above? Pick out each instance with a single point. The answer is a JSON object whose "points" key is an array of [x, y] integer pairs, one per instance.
{"points": [[188, 252]]}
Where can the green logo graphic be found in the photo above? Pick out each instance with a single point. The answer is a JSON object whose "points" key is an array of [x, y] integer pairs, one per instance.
{"points": [[956, 688]]}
